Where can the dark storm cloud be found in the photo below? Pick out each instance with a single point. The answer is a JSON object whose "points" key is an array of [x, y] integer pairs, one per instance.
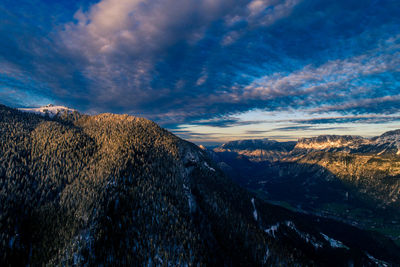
{"points": [[191, 61]]}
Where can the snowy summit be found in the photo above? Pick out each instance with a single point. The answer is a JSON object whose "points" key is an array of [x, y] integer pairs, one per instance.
{"points": [[49, 109]]}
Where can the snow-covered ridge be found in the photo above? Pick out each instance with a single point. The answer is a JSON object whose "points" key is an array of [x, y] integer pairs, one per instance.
{"points": [[331, 141], [388, 142], [49, 109], [271, 150], [333, 242], [255, 214], [390, 139]]}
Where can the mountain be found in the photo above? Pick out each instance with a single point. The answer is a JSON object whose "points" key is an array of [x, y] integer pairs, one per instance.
{"points": [[258, 149], [271, 150], [119, 190], [344, 143], [348, 178], [386, 144], [50, 110]]}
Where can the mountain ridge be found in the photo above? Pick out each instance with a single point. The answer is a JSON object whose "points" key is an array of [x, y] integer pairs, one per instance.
{"points": [[388, 142]]}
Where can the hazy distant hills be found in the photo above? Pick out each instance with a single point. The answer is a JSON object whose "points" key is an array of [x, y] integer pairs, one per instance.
{"points": [[118, 190], [350, 178]]}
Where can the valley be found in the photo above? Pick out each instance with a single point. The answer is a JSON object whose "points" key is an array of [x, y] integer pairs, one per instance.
{"points": [[346, 178]]}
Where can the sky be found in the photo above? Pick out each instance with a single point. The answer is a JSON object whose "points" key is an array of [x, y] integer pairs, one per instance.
{"points": [[210, 71]]}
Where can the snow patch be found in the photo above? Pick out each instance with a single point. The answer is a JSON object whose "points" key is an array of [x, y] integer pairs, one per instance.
{"points": [[333, 242], [266, 256], [255, 214], [272, 229], [207, 166], [49, 109], [307, 237], [376, 261]]}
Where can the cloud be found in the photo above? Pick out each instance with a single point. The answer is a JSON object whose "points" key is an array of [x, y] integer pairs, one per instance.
{"points": [[298, 128], [339, 85], [257, 131], [371, 119], [226, 121], [201, 62], [126, 44]]}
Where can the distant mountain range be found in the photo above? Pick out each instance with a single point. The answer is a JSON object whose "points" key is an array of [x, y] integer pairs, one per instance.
{"points": [[258, 149], [386, 144], [349, 178], [118, 190], [265, 149]]}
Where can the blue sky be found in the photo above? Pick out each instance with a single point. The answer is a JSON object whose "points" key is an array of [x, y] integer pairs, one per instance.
{"points": [[210, 70]]}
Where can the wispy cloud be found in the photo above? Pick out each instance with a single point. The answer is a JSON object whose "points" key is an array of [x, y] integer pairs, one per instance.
{"points": [[335, 85], [299, 128], [372, 119]]}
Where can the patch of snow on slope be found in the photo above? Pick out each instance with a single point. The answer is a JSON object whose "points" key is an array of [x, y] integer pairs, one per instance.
{"points": [[208, 166], [272, 229], [49, 109], [255, 214], [333, 242], [266, 256], [307, 237], [376, 261]]}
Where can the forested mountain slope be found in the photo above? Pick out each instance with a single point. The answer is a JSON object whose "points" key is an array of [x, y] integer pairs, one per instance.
{"points": [[120, 190]]}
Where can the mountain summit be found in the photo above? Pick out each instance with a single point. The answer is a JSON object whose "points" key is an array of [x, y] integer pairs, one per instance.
{"points": [[50, 110]]}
